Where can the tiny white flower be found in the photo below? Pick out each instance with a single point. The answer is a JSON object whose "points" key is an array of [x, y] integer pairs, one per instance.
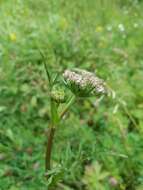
{"points": [[121, 27], [109, 28], [113, 181], [135, 25]]}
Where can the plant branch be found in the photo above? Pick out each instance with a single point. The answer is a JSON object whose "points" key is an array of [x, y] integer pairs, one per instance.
{"points": [[71, 101], [45, 66], [49, 148], [54, 121], [51, 133]]}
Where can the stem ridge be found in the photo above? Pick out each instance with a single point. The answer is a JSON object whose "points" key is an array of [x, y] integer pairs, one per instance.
{"points": [[49, 148]]}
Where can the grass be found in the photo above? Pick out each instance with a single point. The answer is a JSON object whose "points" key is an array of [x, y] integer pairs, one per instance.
{"points": [[102, 36]]}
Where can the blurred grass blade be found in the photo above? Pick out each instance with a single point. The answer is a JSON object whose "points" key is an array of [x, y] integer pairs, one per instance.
{"points": [[45, 65]]}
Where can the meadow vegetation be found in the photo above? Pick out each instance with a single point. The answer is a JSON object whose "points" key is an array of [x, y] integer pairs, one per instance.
{"points": [[99, 144]]}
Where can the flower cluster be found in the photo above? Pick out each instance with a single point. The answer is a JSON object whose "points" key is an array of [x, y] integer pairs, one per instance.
{"points": [[84, 83], [58, 95]]}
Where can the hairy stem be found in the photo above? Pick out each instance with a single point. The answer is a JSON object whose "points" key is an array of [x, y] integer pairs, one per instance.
{"points": [[49, 148]]}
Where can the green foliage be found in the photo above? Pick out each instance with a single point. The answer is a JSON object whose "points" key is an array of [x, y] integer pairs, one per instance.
{"points": [[94, 177], [102, 36]]}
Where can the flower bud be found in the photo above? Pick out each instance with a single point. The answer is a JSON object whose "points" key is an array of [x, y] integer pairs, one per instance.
{"points": [[58, 95]]}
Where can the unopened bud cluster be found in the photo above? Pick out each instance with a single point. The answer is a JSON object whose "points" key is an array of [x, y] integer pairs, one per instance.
{"points": [[58, 95], [84, 83]]}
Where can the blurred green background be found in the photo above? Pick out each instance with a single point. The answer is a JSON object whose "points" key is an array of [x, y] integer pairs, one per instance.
{"points": [[99, 146]]}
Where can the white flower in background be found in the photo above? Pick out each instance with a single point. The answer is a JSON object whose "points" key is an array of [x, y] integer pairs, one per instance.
{"points": [[113, 181], [121, 27], [109, 28], [84, 83], [135, 25], [54, 19]]}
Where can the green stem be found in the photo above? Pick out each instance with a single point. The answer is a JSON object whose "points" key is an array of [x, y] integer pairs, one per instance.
{"points": [[49, 148], [71, 101], [54, 122], [55, 119]]}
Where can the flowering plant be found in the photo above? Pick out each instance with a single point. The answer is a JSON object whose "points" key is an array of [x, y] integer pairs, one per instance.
{"points": [[83, 84]]}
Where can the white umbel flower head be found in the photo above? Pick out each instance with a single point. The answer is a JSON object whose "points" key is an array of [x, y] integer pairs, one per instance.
{"points": [[83, 83]]}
